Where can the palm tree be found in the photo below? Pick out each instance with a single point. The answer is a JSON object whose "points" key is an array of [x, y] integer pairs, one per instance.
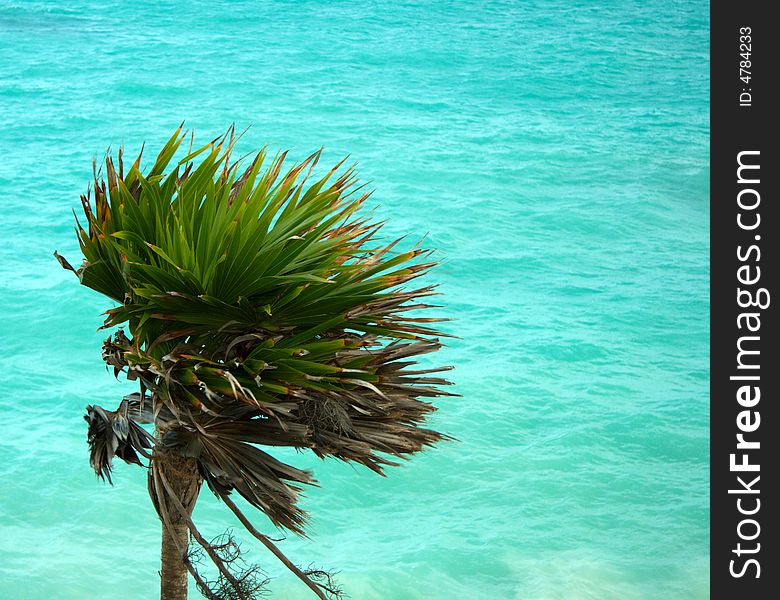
{"points": [[261, 311]]}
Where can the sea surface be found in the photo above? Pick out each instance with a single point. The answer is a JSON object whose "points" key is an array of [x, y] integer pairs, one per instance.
{"points": [[555, 152]]}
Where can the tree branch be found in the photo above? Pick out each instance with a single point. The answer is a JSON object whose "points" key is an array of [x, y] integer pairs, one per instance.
{"points": [[265, 540]]}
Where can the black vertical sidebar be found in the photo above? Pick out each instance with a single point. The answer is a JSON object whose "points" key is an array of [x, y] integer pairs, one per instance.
{"points": [[744, 416]]}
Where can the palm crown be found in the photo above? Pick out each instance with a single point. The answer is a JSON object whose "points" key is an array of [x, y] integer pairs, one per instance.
{"points": [[262, 311]]}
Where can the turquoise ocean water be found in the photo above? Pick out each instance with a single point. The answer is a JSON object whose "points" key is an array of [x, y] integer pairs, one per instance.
{"points": [[556, 152]]}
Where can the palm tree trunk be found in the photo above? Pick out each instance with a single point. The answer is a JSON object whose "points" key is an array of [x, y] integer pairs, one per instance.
{"points": [[173, 574], [182, 475]]}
